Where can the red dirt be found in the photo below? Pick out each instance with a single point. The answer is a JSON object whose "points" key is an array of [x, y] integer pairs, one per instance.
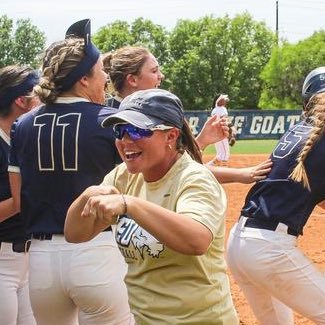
{"points": [[312, 247]]}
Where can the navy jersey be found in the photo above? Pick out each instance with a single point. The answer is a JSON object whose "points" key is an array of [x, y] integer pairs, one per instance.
{"points": [[278, 198], [11, 229], [59, 150]]}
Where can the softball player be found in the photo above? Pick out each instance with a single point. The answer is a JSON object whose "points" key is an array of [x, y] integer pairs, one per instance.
{"points": [[16, 85], [222, 147], [275, 276], [57, 151]]}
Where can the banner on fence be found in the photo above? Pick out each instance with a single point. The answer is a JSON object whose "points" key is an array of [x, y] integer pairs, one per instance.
{"points": [[251, 124]]}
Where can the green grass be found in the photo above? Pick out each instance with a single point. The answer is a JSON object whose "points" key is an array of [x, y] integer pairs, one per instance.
{"points": [[248, 147]]}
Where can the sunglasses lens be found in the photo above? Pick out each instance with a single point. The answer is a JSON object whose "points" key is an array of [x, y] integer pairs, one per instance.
{"points": [[134, 132]]}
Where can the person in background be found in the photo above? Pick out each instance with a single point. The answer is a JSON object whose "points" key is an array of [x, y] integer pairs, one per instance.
{"points": [[16, 98], [58, 150], [133, 68], [222, 156], [169, 211], [275, 276]]}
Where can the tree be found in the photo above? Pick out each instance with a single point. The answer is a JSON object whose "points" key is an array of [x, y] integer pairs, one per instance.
{"points": [[113, 36], [203, 57], [140, 32], [218, 55], [20, 46], [284, 74]]}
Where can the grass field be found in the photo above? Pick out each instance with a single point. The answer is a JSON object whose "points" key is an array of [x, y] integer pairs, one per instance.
{"points": [[248, 147]]}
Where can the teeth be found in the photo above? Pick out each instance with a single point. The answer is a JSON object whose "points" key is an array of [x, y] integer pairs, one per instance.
{"points": [[132, 154]]}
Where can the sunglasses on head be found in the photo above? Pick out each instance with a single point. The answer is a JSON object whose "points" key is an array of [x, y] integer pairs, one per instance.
{"points": [[134, 132]]}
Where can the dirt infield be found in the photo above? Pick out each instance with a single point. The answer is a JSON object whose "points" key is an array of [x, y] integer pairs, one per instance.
{"points": [[310, 243]]}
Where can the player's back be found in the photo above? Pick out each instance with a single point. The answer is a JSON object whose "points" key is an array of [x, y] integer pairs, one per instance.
{"points": [[60, 150], [278, 197]]}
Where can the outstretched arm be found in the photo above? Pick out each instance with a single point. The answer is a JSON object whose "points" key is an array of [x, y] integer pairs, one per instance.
{"points": [[244, 175]]}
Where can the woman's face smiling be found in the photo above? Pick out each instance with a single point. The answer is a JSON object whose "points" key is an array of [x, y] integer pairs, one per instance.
{"points": [[150, 156], [150, 75]]}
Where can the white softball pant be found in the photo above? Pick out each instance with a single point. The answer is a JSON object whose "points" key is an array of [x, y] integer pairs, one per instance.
{"points": [[15, 306], [82, 284], [275, 275], [222, 150]]}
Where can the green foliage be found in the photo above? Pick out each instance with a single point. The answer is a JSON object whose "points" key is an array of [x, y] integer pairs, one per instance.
{"points": [[218, 55], [284, 74], [203, 57], [22, 45], [113, 36], [199, 58], [140, 32]]}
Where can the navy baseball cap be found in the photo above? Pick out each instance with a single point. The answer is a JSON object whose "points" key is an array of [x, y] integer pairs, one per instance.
{"points": [[146, 109]]}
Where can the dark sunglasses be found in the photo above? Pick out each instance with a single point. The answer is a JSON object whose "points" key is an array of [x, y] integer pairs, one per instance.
{"points": [[136, 133], [133, 132]]}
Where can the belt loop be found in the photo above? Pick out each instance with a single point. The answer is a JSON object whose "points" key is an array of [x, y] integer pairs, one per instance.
{"points": [[242, 222], [27, 245], [281, 227]]}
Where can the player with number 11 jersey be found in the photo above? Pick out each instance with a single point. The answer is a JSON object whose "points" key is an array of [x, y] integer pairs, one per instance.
{"points": [[65, 139]]}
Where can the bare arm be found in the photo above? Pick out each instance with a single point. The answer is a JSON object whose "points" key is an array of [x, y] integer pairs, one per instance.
{"points": [[245, 175], [214, 130], [7, 209], [15, 186], [179, 232]]}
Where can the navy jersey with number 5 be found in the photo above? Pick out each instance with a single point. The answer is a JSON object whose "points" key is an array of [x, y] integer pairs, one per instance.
{"points": [[278, 198], [59, 149]]}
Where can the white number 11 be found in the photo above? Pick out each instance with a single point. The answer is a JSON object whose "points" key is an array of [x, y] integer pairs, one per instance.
{"points": [[68, 125]]}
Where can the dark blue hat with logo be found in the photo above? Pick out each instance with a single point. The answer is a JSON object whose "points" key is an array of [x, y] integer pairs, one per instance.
{"points": [[148, 108]]}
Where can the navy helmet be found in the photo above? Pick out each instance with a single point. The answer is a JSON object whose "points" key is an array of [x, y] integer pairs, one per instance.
{"points": [[313, 84]]}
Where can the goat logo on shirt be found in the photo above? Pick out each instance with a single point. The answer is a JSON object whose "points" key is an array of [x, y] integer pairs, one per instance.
{"points": [[129, 236]]}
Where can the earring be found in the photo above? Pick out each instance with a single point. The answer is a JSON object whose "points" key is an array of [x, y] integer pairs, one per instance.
{"points": [[170, 147]]}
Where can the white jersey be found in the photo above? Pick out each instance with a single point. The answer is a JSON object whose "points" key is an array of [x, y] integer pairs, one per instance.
{"points": [[219, 111], [222, 147]]}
